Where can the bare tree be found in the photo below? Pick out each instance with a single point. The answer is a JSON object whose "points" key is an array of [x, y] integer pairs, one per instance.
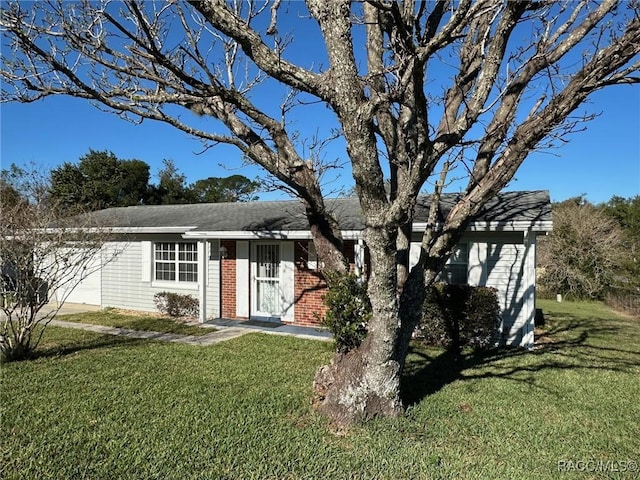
{"points": [[584, 254], [41, 255], [417, 87]]}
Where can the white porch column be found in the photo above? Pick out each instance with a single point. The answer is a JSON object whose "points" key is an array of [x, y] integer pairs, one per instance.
{"points": [[242, 279], [203, 260]]}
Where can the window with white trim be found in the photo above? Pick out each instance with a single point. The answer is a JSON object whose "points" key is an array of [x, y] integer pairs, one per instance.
{"points": [[176, 262], [456, 269]]}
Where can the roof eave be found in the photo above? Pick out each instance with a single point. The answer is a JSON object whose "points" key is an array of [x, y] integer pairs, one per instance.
{"points": [[499, 226], [263, 235]]}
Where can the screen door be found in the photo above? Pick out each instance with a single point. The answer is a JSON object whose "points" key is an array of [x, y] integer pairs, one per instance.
{"points": [[267, 294]]}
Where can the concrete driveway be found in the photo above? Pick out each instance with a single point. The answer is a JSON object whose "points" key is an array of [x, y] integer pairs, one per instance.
{"points": [[69, 308]]}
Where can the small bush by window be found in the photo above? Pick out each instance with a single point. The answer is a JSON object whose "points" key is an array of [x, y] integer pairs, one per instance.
{"points": [[455, 316], [176, 305]]}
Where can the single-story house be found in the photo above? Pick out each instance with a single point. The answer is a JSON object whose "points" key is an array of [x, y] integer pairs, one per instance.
{"points": [[256, 260]]}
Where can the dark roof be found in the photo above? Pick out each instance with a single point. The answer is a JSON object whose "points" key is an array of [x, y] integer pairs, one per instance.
{"points": [[530, 206]]}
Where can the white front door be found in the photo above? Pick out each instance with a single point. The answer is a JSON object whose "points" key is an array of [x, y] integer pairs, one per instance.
{"points": [[267, 288]]}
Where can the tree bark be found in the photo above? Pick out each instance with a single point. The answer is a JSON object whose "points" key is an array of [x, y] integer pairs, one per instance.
{"points": [[365, 382]]}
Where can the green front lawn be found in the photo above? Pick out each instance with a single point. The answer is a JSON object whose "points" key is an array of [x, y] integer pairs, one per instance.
{"points": [[153, 323], [97, 407]]}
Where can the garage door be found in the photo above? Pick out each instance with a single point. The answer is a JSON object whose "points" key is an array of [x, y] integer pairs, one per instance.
{"points": [[88, 290]]}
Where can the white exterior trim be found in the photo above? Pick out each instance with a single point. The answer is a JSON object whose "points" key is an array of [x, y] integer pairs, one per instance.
{"points": [[510, 226], [418, 227], [528, 336], [242, 279], [147, 260], [287, 281], [358, 253], [274, 235], [203, 275], [179, 229], [312, 256], [187, 231]]}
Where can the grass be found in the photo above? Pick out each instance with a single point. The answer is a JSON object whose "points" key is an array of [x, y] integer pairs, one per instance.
{"points": [[113, 318], [97, 407]]}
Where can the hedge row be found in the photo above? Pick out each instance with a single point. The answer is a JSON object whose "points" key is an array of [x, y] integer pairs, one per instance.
{"points": [[454, 316]]}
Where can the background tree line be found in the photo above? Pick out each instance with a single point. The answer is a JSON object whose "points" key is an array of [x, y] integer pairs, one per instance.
{"points": [[593, 251], [101, 180]]}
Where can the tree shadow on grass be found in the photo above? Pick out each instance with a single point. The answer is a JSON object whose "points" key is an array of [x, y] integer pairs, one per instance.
{"points": [[102, 341], [572, 344]]}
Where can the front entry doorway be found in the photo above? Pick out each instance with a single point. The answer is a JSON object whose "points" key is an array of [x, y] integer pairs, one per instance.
{"points": [[267, 284]]}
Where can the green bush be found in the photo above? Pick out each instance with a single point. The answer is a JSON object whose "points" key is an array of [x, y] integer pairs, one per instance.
{"points": [[455, 316], [348, 310], [176, 304]]}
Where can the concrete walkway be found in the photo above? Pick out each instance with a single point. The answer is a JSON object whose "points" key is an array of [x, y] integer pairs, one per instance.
{"points": [[200, 340], [224, 329]]}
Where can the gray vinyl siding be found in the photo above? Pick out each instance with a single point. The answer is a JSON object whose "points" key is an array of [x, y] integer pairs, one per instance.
{"points": [[510, 268], [505, 264], [121, 280], [122, 284]]}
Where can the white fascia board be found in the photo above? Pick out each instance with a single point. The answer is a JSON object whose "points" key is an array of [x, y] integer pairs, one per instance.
{"points": [[257, 235], [119, 229], [151, 229], [352, 234], [249, 235], [511, 226], [508, 226]]}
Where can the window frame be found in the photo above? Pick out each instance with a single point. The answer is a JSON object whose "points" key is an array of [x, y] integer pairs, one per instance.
{"points": [[176, 259], [456, 261]]}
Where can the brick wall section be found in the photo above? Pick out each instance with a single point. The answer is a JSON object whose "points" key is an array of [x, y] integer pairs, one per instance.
{"points": [[309, 288], [229, 279], [310, 285]]}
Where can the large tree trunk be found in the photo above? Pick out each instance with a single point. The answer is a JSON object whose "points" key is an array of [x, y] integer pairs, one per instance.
{"points": [[365, 382]]}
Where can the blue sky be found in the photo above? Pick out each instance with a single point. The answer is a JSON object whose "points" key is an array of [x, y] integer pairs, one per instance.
{"points": [[600, 162]]}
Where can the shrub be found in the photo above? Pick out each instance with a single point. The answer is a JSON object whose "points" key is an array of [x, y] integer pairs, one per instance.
{"points": [[455, 316], [348, 310], [176, 304], [584, 254]]}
